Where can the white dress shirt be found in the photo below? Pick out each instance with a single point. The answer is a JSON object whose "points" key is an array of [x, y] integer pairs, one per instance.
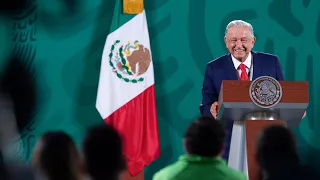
{"points": [[247, 62], [238, 152]]}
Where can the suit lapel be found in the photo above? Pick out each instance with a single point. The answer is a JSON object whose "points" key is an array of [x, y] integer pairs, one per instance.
{"points": [[257, 66], [230, 71]]}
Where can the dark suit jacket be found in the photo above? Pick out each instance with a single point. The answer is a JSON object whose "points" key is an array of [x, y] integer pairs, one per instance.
{"points": [[222, 68]]}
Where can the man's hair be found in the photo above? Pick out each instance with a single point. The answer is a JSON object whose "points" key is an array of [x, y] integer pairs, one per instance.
{"points": [[276, 145], [239, 23], [57, 155], [204, 137], [102, 148]]}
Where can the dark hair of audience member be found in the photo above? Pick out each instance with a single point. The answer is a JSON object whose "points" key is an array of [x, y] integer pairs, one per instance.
{"points": [[3, 171], [276, 148], [58, 156], [102, 149], [204, 137]]}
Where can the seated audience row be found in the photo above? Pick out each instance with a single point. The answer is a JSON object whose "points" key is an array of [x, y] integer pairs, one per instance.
{"points": [[56, 157]]}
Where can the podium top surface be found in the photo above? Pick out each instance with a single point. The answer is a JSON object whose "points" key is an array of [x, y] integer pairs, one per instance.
{"points": [[235, 101], [238, 91]]}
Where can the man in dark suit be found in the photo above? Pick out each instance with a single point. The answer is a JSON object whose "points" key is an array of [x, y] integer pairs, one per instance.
{"points": [[240, 64]]}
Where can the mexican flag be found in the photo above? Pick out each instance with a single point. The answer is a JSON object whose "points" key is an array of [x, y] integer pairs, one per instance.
{"points": [[126, 96]]}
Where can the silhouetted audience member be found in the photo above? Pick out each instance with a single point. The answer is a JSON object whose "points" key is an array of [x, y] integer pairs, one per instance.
{"points": [[278, 157], [13, 170], [102, 151], [203, 141], [17, 106], [16, 171], [9, 7], [55, 157], [11, 167]]}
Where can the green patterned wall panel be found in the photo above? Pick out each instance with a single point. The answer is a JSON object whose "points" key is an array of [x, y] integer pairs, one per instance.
{"points": [[185, 35]]}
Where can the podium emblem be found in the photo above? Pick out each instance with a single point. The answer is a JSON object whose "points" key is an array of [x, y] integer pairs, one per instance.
{"points": [[265, 92]]}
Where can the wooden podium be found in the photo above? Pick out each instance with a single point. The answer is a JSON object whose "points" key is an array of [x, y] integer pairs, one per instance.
{"points": [[236, 105]]}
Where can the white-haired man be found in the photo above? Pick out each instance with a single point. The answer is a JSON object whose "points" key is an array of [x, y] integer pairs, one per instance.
{"points": [[240, 64]]}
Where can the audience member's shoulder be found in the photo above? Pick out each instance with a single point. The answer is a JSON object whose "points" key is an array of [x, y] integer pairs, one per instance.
{"points": [[18, 171], [217, 61], [300, 172], [265, 55], [309, 172], [170, 172]]}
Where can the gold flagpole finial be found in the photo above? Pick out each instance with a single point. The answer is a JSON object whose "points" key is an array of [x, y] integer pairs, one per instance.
{"points": [[132, 6]]}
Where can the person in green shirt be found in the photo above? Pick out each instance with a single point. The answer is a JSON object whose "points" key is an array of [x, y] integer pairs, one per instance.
{"points": [[203, 142]]}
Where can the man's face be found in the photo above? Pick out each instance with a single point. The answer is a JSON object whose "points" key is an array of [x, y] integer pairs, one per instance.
{"points": [[239, 42]]}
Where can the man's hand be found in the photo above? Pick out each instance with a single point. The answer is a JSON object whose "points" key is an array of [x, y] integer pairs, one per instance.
{"points": [[214, 109]]}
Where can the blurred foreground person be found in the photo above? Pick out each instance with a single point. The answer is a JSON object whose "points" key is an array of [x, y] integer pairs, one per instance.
{"points": [[102, 151], [10, 7], [278, 157], [203, 143], [55, 157], [17, 109], [10, 168]]}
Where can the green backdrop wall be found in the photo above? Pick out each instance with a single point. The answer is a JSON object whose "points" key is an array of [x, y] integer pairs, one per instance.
{"points": [[65, 42]]}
